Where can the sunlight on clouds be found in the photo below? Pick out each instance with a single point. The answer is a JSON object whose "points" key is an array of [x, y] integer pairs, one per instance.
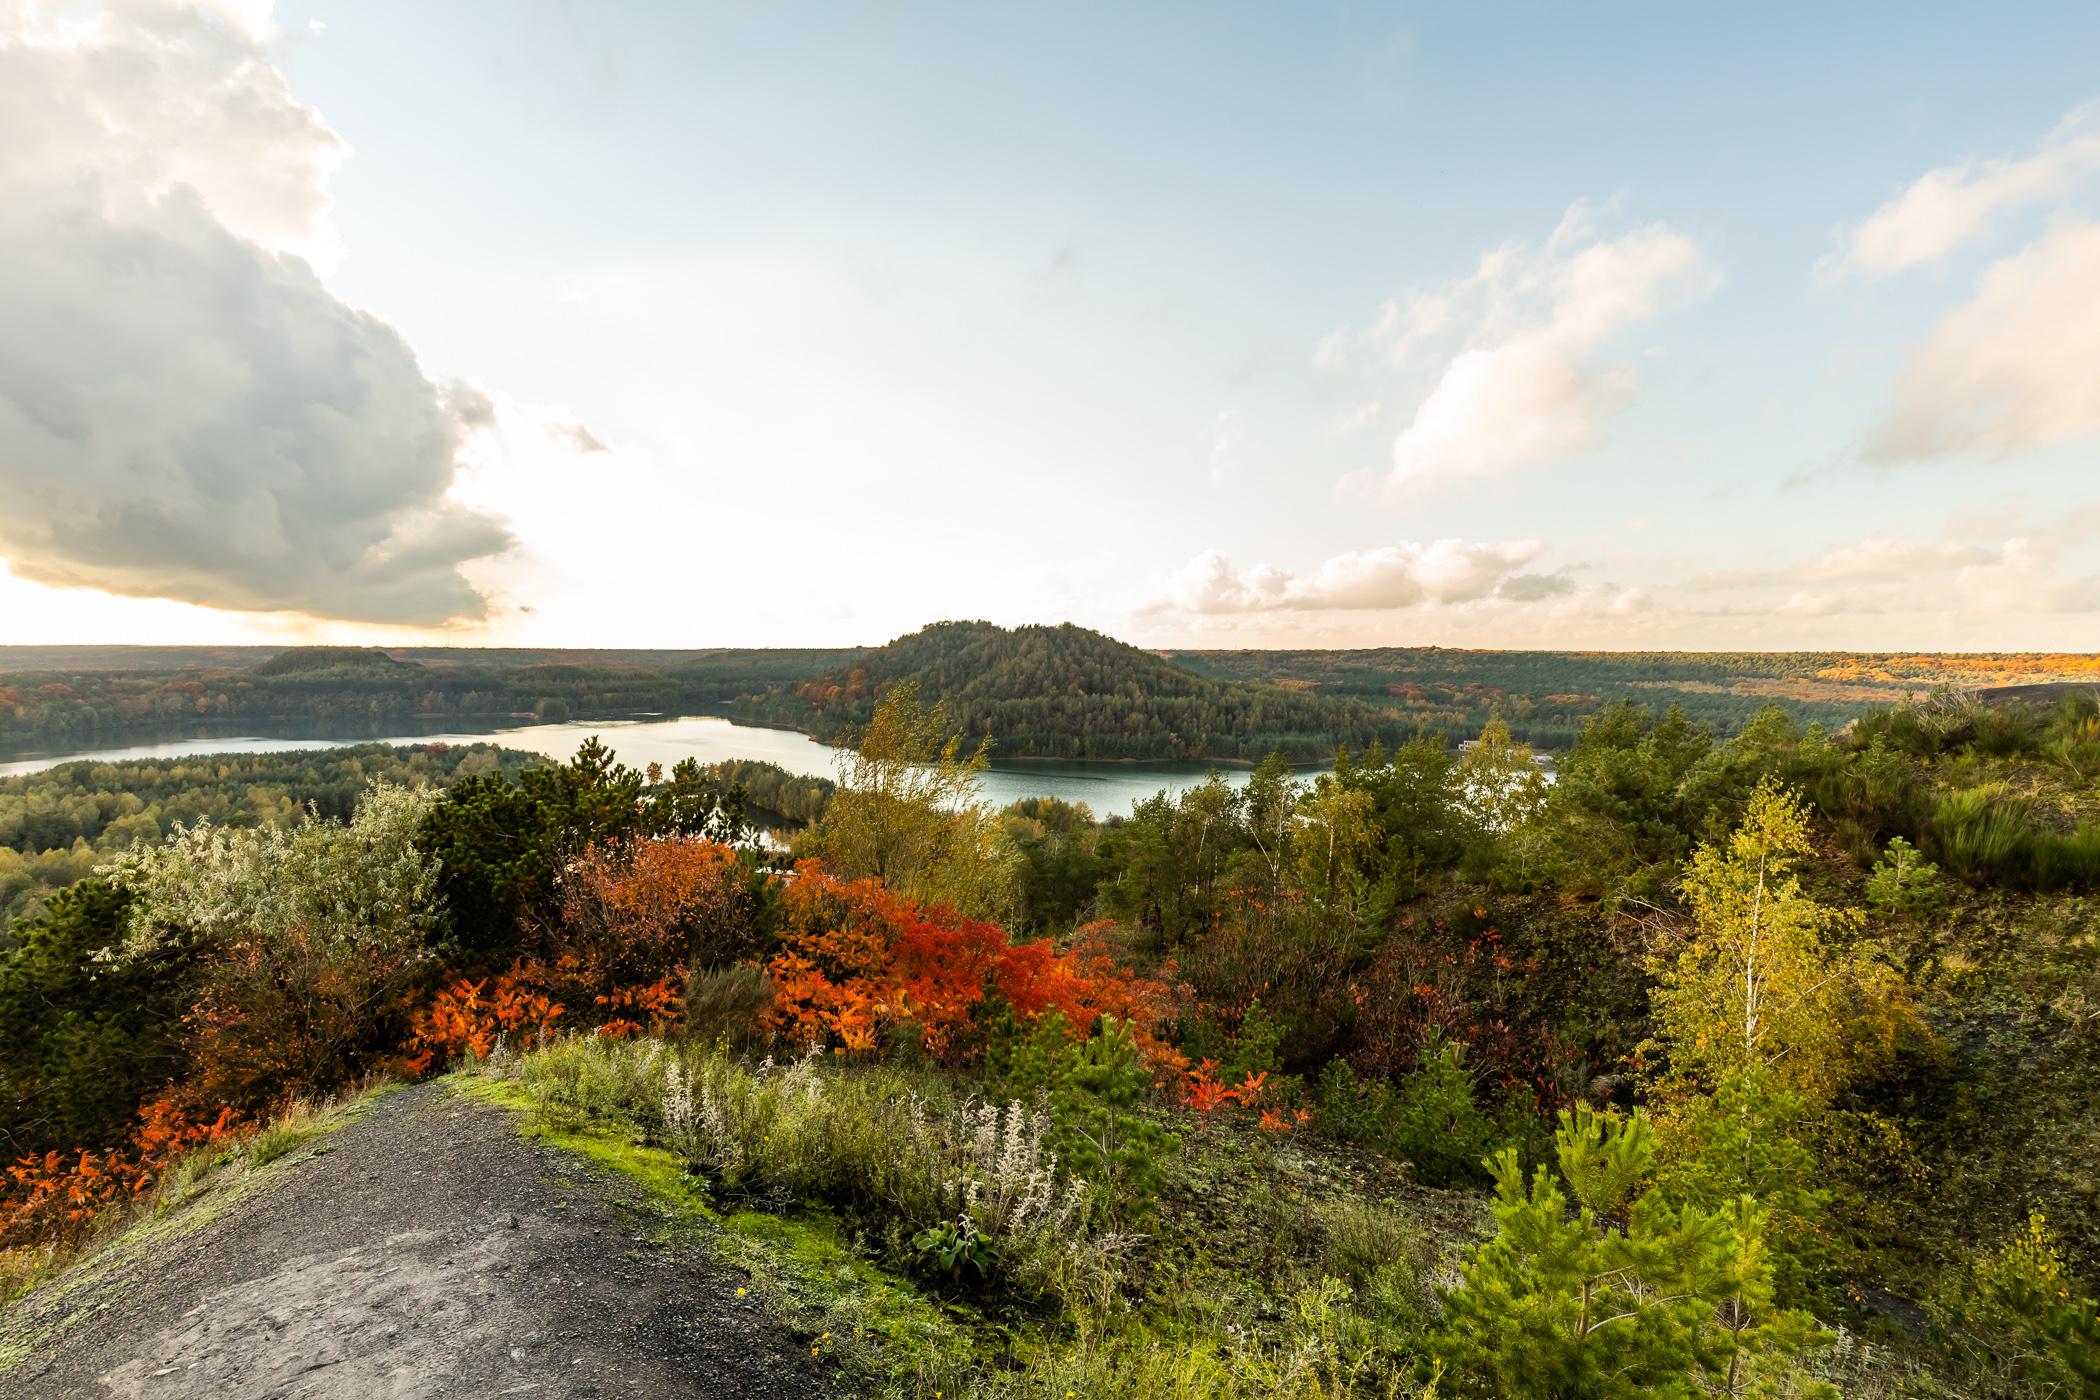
{"points": [[1955, 204], [1406, 575], [186, 411], [2016, 366], [1529, 380]]}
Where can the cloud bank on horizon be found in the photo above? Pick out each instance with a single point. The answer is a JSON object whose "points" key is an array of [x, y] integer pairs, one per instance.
{"points": [[1596, 409]]}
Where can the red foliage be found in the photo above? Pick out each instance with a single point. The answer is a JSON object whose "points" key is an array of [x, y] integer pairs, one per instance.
{"points": [[657, 1004], [1464, 990], [59, 1195], [859, 960], [468, 1017], [631, 918], [1203, 1092], [635, 913]]}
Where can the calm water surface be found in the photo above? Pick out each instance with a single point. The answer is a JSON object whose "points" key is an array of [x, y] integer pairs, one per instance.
{"points": [[1108, 788]]}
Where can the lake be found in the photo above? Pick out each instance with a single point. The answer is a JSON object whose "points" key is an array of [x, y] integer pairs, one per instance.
{"points": [[1108, 788]]}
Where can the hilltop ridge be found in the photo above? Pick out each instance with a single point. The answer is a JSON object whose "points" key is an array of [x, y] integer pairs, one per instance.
{"points": [[1065, 691]]}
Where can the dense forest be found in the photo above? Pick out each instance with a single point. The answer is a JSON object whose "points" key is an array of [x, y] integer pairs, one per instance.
{"points": [[104, 693], [1066, 692], [1036, 692], [1546, 695], [1750, 1064]]}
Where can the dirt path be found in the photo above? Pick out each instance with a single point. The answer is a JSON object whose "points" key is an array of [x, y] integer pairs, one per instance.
{"points": [[425, 1250]]}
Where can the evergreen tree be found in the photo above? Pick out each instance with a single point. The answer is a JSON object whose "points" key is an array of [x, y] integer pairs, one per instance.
{"points": [[1100, 1133], [1617, 1293]]}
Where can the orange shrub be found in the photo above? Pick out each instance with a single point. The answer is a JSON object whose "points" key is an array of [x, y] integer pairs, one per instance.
{"points": [[641, 911], [859, 960], [1204, 1092], [657, 1003], [468, 1017], [58, 1196]]}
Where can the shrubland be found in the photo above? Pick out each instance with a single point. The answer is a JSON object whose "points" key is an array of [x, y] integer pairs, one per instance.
{"points": [[1749, 1066]]}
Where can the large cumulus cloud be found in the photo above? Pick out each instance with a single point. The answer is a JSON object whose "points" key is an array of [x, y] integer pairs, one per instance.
{"points": [[185, 410]]}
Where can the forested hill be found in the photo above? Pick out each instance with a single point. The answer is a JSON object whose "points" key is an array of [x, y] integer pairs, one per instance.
{"points": [[1049, 692], [1067, 692]]}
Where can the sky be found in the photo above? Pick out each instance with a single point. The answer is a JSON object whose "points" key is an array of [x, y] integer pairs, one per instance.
{"points": [[513, 322]]}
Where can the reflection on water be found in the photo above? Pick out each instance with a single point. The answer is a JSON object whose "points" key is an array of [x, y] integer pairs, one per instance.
{"points": [[1107, 788]]}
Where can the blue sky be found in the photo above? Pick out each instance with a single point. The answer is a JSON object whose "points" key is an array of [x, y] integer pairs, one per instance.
{"points": [[1631, 326]]}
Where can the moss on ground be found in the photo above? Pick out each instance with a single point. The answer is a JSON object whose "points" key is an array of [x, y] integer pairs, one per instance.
{"points": [[800, 1265]]}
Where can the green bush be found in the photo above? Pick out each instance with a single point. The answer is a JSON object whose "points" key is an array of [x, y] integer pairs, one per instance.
{"points": [[1101, 1131], [1617, 1293], [2022, 1320], [1429, 1118], [82, 1040], [1436, 1124], [1904, 882]]}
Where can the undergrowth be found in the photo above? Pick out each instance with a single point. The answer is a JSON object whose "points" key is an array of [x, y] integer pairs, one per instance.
{"points": [[1258, 1271]]}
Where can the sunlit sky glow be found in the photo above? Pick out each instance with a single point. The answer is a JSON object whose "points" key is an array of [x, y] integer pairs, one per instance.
{"points": [[511, 323]]}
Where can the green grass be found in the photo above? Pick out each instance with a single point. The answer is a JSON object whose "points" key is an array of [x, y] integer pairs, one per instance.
{"points": [[800, 1265], [1296, 1269]]}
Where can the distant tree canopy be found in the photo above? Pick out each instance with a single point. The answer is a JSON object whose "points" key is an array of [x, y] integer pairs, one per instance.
{"points": [[1066, 692], [1546, 696], [1037, 692], [51, 696]]}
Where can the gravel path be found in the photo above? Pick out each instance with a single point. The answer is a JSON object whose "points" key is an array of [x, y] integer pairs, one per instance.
{"points": [[425, 1250]]}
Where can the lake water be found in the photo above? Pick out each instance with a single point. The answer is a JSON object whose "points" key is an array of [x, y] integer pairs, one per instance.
{"points": [[1108, 788]]}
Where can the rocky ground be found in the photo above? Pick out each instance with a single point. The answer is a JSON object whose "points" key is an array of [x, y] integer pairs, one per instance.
{"points": [[423, 1249]]}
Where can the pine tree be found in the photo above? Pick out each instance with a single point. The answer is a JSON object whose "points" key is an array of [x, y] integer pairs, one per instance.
{"points": [[1100, 1134], [1618, 1293]]}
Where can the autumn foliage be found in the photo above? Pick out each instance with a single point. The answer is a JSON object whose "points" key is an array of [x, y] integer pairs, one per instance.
{"points": [[858, 962], [58, 1195], [469, 1016], [635, 912], [1429, 986]]}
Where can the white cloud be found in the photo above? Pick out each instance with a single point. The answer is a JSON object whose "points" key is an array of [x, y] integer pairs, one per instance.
{"points": [[1955, 204], [1631, 602], [186, 412], [1525, 372], [1408, 575], [1882, 559], [2016, 366], [2025, 578], [2034, 573]]}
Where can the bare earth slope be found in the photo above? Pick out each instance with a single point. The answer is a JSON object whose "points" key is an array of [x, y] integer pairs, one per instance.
{"points": [[424, 1249]]}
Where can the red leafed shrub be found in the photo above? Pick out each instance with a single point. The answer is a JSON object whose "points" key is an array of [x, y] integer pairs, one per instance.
{"points": [[657, 1004], [468, 1017], [858, 960], [57, 1197], [1204, 1092]]}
